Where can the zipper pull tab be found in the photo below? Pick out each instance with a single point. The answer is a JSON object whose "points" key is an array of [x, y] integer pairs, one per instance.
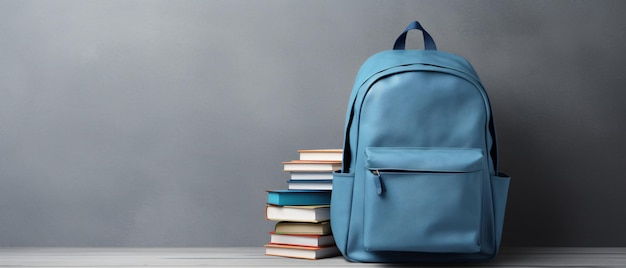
{"points": [[378, 182]]}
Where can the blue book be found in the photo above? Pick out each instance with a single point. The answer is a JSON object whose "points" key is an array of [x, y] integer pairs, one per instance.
{"points": [[298, 197]]}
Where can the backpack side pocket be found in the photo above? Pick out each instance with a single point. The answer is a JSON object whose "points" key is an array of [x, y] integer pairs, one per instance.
{"points": [[500, 191], [340, 208]]}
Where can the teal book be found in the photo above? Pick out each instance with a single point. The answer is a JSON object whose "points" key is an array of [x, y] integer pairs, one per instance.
{"points": [[298, 197]]}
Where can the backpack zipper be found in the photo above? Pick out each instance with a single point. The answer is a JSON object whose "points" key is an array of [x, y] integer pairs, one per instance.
{"points": [[378, 182]]}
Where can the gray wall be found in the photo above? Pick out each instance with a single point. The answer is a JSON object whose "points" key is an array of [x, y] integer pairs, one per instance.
{"points": [[162, 123]]}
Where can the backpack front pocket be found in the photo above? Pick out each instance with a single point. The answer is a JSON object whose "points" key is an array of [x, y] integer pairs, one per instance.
{"points": [[423, 199]]}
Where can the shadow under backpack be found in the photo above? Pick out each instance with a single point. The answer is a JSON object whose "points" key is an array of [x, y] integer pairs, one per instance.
{"points": [[419, 180]]}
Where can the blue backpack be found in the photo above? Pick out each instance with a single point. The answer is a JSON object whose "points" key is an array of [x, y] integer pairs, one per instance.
{"points": [[419, 180]]}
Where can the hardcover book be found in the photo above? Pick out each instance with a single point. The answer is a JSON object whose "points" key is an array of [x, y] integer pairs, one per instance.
{"points": [[298, 197], [302, 240], [299, 175], [311, 253], [298, 213], [311, 165], [310, 184], [321, 154], [310, 228]]}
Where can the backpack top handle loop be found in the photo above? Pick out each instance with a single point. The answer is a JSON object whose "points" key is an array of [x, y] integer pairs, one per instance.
{"points": [[429, 43]]}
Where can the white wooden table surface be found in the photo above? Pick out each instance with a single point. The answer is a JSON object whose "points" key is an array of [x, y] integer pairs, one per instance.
{"points": [[254, 257]]}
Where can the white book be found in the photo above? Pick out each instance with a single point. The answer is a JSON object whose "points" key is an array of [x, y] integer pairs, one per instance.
{"points": [[298, 213], [302, 240], [311, 175], [310, 184], [321, 154], [311, 165], [311, 253]]}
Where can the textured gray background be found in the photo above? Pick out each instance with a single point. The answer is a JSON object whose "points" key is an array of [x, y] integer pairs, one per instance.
{"points": [[162, 123]]}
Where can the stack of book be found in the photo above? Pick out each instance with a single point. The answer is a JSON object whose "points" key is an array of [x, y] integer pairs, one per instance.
{"points": [[314, 169], [302, 211]]}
